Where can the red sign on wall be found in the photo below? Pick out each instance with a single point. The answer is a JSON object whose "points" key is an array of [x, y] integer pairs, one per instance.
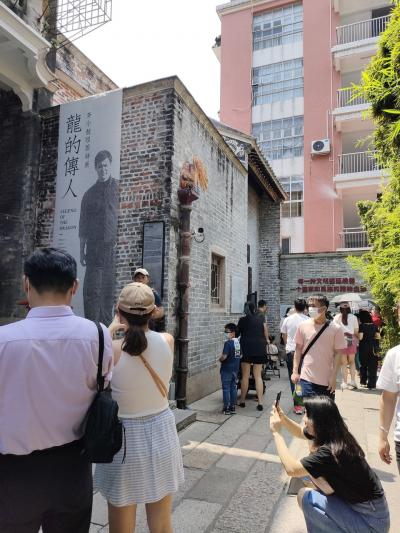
{"points": [[329, 285]]}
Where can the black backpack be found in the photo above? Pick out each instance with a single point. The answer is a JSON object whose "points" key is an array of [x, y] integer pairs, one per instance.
{"points": [[103, 434]]}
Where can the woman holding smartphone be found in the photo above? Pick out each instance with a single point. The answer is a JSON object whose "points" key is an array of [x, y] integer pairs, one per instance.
{"points": [[347, 495]]}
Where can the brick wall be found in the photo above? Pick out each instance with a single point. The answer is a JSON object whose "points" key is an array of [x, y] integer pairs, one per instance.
{"points": [[19, 154], [161, 130], [222, 212], [64, 93], [314, 266], [270, 283]]}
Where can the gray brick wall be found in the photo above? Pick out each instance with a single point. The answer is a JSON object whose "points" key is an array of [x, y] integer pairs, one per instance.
{"points": [[269, 260], [222, 212], [319, 266]]}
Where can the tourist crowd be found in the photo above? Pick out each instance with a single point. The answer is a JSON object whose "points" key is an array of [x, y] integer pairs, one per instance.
{"points": [[61, 374]]}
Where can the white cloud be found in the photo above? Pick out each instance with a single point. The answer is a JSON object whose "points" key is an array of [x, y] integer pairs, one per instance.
{"points": [[152, 39]]}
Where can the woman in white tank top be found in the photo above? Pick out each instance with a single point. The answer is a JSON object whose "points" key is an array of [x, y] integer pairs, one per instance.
{"points": [[152, 469]]}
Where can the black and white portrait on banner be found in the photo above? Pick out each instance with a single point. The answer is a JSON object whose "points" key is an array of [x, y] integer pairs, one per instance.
{"points": [[87, 197]]}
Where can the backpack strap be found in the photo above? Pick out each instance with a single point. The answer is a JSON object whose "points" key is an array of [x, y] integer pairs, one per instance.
{"points": [[311, 343], [156, 378], [100, 377]]}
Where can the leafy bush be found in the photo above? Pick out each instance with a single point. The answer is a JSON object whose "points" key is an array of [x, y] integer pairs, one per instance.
{"points": [[380, 267]]}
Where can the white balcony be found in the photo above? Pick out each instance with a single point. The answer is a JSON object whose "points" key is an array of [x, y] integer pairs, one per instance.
{"points": [[356, 43], [359, 169], [350, 113], [354, 239]]}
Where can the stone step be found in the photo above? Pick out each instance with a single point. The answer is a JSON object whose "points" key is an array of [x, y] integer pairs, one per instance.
{"points": [[183, 418]]}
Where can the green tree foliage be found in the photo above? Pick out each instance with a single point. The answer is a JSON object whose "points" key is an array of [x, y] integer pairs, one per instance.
{"points": [[380, 267]]}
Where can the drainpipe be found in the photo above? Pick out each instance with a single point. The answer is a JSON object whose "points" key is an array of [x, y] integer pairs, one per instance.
{"points": [[186, 196]]}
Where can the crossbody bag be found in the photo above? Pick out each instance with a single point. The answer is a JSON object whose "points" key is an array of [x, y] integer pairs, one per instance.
{"points": [[311, 344]]}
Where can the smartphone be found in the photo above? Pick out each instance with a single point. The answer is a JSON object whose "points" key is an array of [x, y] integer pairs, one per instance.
{"points": [[278, 398]]}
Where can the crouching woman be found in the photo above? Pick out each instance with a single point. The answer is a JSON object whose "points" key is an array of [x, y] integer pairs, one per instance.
{"points": [[347, 495]]}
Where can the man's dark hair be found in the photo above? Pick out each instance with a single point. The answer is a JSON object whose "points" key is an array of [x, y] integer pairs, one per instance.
{"points": [[103, 154], [231, 327], [321, 299], [262, 303], [300, 304], [49, 269]]}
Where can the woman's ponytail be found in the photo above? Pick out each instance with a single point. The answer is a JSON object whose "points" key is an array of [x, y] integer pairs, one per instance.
{"points": [[135, 340]]}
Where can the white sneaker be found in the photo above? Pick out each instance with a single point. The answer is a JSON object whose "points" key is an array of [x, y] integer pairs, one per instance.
{"points": [[343, 385], [353, 384]]}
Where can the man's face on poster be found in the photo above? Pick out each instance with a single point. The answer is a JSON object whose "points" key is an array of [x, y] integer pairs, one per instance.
{"points": [[103, 169]]}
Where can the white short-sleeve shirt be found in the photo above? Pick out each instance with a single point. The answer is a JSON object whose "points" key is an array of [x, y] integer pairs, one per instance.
{"points": [[389, 380], [352, 323]]}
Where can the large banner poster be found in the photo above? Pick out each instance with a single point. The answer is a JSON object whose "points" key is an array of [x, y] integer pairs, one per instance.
{"points": [[87, 198]]}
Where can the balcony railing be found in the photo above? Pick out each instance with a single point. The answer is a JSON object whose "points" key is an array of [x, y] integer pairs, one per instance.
{"points": [[359, 31], [358, 162], [354, 238], [346, 97]]}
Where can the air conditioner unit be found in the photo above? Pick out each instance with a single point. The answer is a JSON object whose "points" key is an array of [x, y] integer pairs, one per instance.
{"points": [[320, 147]]}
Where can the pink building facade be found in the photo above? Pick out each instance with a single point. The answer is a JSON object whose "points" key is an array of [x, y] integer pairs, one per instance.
{"points": [[287, 74]]}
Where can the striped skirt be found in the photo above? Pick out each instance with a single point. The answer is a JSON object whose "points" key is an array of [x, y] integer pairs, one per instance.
{"points": [[152, 468]]}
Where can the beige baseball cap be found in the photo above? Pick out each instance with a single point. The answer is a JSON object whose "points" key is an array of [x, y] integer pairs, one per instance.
{"points": [[136, 299], [141, 271]]}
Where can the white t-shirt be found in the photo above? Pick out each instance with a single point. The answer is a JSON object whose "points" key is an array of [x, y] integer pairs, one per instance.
{"points": [[389, 380], [289, 327], [352, 323]]}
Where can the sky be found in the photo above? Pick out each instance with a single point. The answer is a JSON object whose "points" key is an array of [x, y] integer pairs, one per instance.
{"points": [[147, 40]]}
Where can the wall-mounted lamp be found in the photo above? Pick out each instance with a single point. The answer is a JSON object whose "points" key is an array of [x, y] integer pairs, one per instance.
{"points": [[198, 235]]}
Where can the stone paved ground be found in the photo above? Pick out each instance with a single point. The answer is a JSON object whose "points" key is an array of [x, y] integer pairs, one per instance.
{"points": [[234, 480]]}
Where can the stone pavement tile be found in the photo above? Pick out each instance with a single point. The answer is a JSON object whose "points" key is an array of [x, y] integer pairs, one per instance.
{"points": [[211, 403], [261, 426], [216, 486], [194, 516], [190, 437], [229, 432], [215, 418], [288, 517], [192, 476], [244, 452], [254, 501], [203, 456], [100, 512]]}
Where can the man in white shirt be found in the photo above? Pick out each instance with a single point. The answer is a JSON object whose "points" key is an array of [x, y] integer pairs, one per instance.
{"points": [[288, 330], [389, 382]]}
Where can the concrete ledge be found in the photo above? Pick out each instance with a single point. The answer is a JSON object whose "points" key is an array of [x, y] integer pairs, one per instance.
{"points": [[202, 384], [183, 418]]}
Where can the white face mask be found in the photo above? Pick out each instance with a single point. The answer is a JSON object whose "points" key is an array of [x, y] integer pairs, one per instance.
{"points": [[314, 312]]}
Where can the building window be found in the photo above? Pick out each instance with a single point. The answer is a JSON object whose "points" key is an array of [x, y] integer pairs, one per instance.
{"points": [[278, 81], [294, 186], [282, 138], [285, 245], [278, 26], [217, 279]]}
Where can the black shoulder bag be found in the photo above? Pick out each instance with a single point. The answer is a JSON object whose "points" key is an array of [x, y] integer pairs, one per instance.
{"points": [[103, 434], [312, 342]]}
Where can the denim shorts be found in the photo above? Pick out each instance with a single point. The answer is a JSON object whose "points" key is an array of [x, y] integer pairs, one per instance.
{"points": [[331, 514]]}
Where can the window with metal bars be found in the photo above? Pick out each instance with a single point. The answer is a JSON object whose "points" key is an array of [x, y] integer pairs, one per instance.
{"points": [[277, 27], [217, 272], [278, 81], [282, 138]]}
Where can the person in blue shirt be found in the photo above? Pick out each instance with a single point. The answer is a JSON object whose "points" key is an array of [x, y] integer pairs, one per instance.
{"points": [[230, 363]]}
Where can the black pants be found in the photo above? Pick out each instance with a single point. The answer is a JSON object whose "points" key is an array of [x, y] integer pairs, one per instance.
{"points": [[289, 364], [99, 283], [49, 488], [368, 368]]}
